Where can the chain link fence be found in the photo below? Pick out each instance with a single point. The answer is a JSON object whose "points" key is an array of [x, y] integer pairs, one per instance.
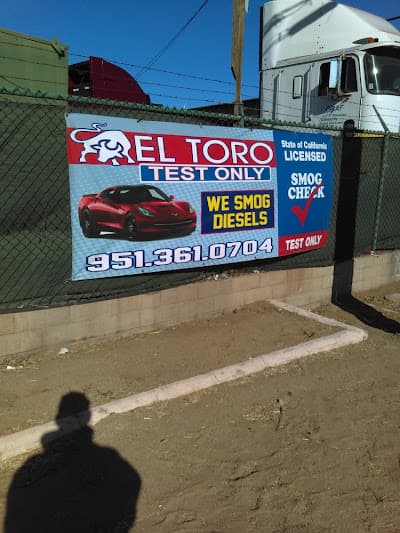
{"points": [[35, 224]]}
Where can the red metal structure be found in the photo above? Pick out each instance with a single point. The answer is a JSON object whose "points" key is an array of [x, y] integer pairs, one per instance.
{"points": [[98, 78]]}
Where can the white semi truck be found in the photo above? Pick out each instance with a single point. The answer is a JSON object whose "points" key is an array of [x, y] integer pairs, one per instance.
{"points": [[328, 64]]}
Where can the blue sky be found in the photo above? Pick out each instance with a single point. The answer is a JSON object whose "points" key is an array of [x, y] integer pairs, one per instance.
{"points": [[134, 31]]}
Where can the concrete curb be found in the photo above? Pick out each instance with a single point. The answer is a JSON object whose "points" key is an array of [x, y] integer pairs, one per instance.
{"points": [[28, 440]]}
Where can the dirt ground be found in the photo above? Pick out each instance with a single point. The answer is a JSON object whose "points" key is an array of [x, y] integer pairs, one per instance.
{"points": [[313, 446], [31, 385]]}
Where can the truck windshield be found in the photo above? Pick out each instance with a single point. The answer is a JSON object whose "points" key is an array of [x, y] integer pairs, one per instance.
{"points": [[382, 67]]}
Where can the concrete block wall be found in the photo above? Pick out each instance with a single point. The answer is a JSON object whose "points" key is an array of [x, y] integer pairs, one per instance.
{"points": [[35, 330], [375, 270]]}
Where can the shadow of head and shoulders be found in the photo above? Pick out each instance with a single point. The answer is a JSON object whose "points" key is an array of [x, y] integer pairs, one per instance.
{"points": [[74, 484]]}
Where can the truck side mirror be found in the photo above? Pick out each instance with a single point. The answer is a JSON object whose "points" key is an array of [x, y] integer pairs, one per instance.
{"points": [[341, 77], [334, 74]]}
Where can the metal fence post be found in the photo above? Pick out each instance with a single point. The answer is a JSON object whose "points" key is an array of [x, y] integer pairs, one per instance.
{"points": [[382, 173]]}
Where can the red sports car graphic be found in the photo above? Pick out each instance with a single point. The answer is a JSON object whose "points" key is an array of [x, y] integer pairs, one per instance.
{"points": [[134, 211]]}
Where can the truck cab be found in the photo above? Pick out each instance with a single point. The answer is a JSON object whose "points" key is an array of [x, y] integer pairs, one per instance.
{"points": [[98, 78], [325, 63]]}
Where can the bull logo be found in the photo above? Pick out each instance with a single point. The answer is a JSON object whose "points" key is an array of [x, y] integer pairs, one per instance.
{"points": [[109, 145]]}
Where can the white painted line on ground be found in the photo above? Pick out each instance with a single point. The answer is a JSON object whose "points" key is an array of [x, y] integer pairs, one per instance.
{"points": [[30, 439]]}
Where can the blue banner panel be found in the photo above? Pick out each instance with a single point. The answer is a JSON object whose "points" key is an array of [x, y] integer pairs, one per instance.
{"points": [[305, 185], [153, 196]]}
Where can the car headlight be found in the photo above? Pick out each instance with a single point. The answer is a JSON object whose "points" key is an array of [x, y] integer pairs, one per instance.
{"points": [[191, 209], [145, 212]]}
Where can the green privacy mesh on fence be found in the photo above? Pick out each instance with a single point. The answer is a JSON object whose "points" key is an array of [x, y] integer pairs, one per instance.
{"points": [[35, 229]]}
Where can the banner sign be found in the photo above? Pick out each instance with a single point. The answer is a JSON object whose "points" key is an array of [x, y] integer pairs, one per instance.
{"points": [[151, 196]]}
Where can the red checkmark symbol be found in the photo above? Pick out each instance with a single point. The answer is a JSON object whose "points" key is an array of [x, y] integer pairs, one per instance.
{"points": [[302, 214]]}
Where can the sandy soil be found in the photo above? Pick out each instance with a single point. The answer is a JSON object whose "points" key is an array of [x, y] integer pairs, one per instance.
{"points": [[311, 447]]}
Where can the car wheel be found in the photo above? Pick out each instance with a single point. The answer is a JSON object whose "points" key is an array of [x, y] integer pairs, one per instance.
{"points": [[130, 226], [89, 228], [189, 232]]}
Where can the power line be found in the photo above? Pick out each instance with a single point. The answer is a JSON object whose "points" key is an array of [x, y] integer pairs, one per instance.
{"points": [[173, 73], [177, 86], [157, 83], [171, 41], [186, 98]]}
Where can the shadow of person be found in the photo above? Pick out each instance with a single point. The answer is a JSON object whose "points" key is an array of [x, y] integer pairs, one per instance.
{"points": [[74, 485]]}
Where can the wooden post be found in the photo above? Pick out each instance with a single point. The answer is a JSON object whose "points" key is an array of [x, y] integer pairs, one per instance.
{"points": [[237, 51]]}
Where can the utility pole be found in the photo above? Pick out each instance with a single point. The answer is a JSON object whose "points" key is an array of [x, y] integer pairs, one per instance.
{"points": [[239, 8]]}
